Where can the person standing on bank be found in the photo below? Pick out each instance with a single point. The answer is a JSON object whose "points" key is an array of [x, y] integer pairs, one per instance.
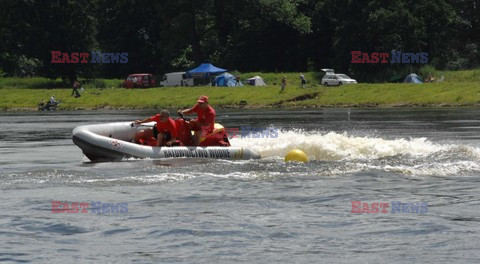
{"points": [[302, 80], [284, 84], [76, 86], [237, 80]]}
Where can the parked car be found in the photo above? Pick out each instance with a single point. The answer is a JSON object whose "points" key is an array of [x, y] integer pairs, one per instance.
{"points": [[176, 79], [336, 79], [140, 80]]}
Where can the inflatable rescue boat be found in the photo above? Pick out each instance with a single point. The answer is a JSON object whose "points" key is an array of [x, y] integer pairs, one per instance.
{"points": [[113, 142]]}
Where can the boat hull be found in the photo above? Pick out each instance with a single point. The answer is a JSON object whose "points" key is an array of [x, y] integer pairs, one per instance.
{"points": [[112, 142]]}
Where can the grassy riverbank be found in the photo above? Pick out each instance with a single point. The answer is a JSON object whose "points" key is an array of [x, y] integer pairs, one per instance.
{"points": [[25, 93], [362, 95]]}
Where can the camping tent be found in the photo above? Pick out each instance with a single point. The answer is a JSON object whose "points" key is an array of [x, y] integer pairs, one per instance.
{"points": [[256, 81], [412, 78], [226, 79], [205, 70]]}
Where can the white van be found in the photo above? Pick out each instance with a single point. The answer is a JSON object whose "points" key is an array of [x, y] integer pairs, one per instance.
{"points": [[176, 79]]}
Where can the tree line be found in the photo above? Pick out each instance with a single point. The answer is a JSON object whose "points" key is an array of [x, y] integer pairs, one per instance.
{"points": [[244, 35]]}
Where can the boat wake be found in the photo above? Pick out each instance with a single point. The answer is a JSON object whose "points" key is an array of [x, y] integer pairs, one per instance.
{"points": [[416, 156], [332, 155]]}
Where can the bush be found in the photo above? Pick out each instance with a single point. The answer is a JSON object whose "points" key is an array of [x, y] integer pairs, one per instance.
{"points": [[99, 84], [427, 70], [27, 67]]}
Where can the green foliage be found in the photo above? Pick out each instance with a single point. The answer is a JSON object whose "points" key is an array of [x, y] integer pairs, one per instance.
{"points": [[293, 78], [45, 83], [102, 83], [243, 35], [388, 95], [427, 70], [459, 88], [34, 28], [31, 83], [383, 95], [27, 67], [459, 76]]}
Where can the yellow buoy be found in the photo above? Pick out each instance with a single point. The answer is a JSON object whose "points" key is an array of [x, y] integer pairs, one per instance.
{"points": [[296, 155]]}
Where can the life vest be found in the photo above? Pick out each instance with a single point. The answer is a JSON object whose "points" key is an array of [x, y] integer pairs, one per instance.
{"points": [[153, 142], [184, 132], [148, 142], [219, 137]]}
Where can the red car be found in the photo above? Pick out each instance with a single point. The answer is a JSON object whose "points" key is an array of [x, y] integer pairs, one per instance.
{"points": [[140, 80]]}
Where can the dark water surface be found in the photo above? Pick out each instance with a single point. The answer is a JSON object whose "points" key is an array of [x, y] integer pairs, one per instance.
{"points": [[263, 211]]}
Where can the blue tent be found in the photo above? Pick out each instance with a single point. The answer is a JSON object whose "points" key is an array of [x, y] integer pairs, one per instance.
{"points": [[412, 78], [205, 70], [226, 79]]}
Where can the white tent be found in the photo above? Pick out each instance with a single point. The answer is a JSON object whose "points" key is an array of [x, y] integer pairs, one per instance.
{"points": [[256, 81]]}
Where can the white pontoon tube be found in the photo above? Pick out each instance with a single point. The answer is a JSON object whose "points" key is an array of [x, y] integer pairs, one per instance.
{"points": [[112, 142]]}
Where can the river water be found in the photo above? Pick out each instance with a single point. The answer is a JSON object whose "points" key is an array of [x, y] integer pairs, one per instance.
{"points": [[262, 211]]}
